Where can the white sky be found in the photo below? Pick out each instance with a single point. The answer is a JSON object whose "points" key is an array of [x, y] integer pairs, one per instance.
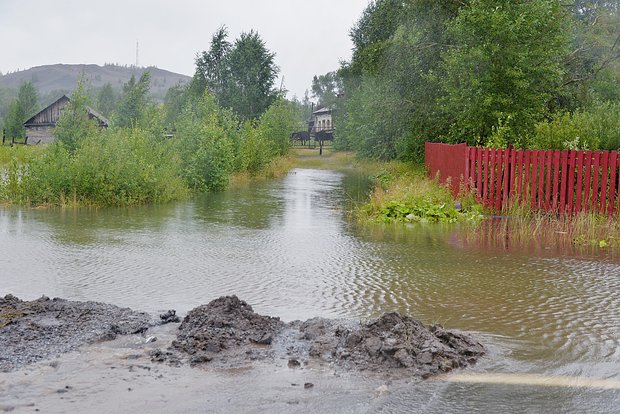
{"points": [[308, 37]]}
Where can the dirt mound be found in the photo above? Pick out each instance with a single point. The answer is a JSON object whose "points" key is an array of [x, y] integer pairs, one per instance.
{"points": [[390, 342], [34, 330], [223, 324], [399, 341]]}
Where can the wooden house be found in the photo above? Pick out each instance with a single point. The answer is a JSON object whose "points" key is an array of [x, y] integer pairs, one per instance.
{"points": [[321, 120], [40, 128]]}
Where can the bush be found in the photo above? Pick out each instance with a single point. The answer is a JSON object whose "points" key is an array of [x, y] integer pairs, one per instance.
{"points": [[596, 129], [206, 143], [117, 167], [277, 124]]}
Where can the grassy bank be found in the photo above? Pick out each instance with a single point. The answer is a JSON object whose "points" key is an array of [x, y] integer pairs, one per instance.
{"points": [[403, 194]]}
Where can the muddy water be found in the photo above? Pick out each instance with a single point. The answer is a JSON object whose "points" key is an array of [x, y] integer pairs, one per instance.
{"points": [[551, 318]]}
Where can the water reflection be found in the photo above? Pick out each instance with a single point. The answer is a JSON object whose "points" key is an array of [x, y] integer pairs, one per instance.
{"points": [[288, 249]]}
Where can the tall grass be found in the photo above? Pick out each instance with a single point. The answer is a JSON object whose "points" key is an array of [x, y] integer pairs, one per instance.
{"points": [[402, 193], [117, 167], [524, 227]]}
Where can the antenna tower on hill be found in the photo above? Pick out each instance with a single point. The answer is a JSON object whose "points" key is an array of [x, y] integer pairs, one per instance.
{"points": [[137, 53]]}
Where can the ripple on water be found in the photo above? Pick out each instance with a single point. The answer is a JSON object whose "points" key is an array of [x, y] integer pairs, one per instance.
{"points": [[287, 248]]}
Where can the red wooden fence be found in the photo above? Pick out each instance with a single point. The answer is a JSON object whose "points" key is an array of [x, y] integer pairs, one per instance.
{"points": [[556, 180]]}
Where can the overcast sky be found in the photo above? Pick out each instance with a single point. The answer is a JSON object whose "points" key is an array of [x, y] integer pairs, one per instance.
{"points": [[308, 37]]}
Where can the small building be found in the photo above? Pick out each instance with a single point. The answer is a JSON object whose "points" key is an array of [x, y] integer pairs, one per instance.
{"points": [[321, 120], [40, 128]]}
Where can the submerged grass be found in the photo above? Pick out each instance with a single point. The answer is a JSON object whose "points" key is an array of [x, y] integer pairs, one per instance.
{"points": [[523, 226]]}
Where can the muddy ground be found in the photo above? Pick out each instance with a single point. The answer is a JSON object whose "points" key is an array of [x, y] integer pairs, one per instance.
{"points": [[227, 333]]}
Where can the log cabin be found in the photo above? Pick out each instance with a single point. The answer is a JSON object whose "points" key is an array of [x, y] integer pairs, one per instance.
{"points": [[40, 128]]}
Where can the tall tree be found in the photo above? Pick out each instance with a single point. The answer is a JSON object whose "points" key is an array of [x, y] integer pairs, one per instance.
{"points": [[326, 88], [134, 101], [506, 67], [212, 69], [22, 108], [241, 76], [252, 76], [106, 99]]}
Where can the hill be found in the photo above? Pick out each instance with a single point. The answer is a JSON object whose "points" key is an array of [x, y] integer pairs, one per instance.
{"points": [[62, 78]]}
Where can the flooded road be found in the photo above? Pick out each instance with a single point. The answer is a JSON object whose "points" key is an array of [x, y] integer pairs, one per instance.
{"points": [[550, 319]]}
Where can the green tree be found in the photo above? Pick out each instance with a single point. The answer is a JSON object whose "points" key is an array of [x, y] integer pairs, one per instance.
{"points": [[277, 124], [174, 101], [506, 67], [252, 76], [393, 107], [592, 65], [134, 101], [106, 99], [25, 105], [326, 88], [75, 125], [212, 68], [206, 136]]}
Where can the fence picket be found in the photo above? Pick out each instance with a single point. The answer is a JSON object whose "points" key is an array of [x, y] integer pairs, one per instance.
{"points": [[604, 181], [587, 181], [556, 179], [563, 183], [595, 190]]}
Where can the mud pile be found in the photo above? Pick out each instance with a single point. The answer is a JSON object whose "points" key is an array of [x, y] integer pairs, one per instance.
{"points": [[228, 331], [392, 341], [34, 330], [225, 323]]}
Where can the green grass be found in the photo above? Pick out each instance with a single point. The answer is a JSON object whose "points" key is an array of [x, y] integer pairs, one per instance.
{"points": [[19, 153]]}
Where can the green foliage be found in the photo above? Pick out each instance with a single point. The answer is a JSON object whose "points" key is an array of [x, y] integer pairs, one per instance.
{"points": [[176, 98], [253, 73], [277, 124], [74, 124], [371, 135], [326, 88], [19, 110], [508, 66], [403, 194], [254, 151], [106, 99], [241, 76], [476, 71], [134, 101], [212, 68], [119, 167], [594, 129], [205, 140]]}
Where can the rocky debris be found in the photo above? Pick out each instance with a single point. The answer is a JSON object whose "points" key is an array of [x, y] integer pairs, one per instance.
{"points": [[398, 341], [169, 317], [34, 330], [227, 333], [223, 330], [223, 324]]}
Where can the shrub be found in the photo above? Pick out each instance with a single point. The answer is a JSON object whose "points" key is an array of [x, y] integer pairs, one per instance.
{"points": [[596, 129], [206, 144], [117, 167]]}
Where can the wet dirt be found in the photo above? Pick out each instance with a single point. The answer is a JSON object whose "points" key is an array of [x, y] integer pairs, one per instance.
{"points": [[228, 333], [31, 331], [64, 356]]}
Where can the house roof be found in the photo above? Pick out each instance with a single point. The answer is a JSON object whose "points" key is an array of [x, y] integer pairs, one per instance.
{"points": [[324, 110], [63, 100]]}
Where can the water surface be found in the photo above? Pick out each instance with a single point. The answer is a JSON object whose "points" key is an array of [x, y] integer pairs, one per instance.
{"points": [[287, 248]]}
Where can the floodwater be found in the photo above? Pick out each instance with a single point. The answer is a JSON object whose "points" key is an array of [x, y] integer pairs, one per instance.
{"points": [[550, 318]]}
